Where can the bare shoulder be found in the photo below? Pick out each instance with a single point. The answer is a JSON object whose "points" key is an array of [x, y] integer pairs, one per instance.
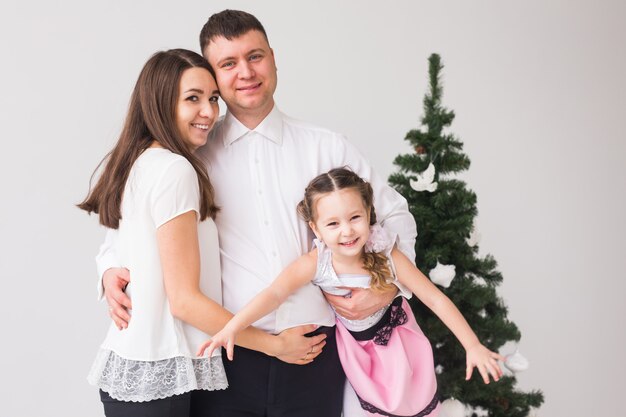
{"points": [[299, 271], [398, 256], [303, 264], [309, 259], [312, 255]]}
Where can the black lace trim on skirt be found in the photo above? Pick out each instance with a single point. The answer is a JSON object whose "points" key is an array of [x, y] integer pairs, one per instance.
{"points": [[426, 411], [381, 332]]}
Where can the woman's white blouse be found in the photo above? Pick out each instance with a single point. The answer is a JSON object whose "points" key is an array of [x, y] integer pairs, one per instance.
{"points": [[155, 356]]}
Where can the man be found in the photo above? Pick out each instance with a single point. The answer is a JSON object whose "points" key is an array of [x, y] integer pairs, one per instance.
{"points": [[260, 161]]}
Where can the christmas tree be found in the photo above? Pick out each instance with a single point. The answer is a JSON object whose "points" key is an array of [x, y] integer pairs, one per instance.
{"points": [[444, 210]]}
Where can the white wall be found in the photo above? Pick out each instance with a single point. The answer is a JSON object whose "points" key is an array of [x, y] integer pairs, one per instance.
{"points": [[539, 93]]}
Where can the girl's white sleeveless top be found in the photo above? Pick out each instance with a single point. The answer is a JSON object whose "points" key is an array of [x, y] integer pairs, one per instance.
{"points": [[329, 281]]}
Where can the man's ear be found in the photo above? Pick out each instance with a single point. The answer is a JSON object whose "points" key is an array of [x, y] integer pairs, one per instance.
{"points": [[274, 59], [314, 228]]}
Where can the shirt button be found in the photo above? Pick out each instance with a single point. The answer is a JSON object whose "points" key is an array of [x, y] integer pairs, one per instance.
{"points": [[266, 223], [274, 254], [256, 160], [260, 192]]}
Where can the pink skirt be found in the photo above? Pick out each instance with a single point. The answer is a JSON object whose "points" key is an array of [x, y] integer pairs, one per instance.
{"points": [[391, 365]]}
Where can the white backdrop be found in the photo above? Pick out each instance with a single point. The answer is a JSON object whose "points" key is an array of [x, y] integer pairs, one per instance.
{"points": [[539, 93]]}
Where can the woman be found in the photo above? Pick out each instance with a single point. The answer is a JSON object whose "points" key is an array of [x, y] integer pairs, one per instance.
{"points": [[158, 196]]}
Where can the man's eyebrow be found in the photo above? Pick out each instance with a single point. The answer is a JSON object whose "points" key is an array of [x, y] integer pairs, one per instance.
{"points": [[227, 58], [232, 58], [216, 92]]}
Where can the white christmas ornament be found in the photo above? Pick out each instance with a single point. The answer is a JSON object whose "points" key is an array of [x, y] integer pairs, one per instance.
{"points": [[480, 412], [482, 313], [479, 281], [425, 180], [452, 408], [474, 237], [438, 369], [442, 274], [533, 412], [516, 362]]}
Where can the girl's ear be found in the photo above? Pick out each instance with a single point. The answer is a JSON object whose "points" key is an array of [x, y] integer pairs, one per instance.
{"points": [[314, 228]]}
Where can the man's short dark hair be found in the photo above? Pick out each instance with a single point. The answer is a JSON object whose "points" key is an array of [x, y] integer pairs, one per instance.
{"points": [[229, 24]]}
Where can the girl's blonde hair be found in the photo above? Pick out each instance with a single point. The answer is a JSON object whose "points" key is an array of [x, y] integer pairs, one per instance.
{"points": [[341, 179]]}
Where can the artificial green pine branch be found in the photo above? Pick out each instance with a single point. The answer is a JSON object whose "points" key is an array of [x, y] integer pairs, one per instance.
{"points": [[445, 219]]}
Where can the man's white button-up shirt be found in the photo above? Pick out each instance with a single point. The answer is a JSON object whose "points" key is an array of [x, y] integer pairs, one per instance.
{"points": [[259, 177]]}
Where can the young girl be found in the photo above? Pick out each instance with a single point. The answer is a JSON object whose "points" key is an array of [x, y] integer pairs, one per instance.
{"points": [[386, 357]]}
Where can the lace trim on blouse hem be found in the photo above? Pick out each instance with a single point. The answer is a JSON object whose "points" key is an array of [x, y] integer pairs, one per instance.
{"points": [[130, 380]]}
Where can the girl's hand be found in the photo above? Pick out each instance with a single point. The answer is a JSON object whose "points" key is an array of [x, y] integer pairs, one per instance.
{"points": [[225, 338], [485, 361]]}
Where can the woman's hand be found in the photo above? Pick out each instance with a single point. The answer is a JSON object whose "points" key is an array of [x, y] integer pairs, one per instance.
{"points": [[298, 349], [485, 361]]}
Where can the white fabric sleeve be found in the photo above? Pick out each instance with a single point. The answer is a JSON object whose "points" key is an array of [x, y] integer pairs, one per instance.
{"points": [[392, 210], [106, 258], [176, 192], [402, 289]]}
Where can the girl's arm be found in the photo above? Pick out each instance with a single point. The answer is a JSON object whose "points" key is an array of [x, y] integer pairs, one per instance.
{"points": [[478, 355], [297, 274], [180, 260]]}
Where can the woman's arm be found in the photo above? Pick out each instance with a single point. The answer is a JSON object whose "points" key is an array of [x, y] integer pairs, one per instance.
{"points": [[180, 261], [477, 355], [300, 272]]}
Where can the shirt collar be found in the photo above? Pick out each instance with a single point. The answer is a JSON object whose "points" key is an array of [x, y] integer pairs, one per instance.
{"points": [[270, 128]]}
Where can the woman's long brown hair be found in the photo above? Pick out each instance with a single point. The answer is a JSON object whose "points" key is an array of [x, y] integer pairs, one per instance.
{"points": [[337, 179], [151, 117]]}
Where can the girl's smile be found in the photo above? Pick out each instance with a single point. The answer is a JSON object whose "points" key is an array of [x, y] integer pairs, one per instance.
{"points": [[350, 243], [342, 222]]}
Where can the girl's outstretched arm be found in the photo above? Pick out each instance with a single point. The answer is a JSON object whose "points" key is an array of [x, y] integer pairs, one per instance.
{"points": [[477, 355], [297, 274]]}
